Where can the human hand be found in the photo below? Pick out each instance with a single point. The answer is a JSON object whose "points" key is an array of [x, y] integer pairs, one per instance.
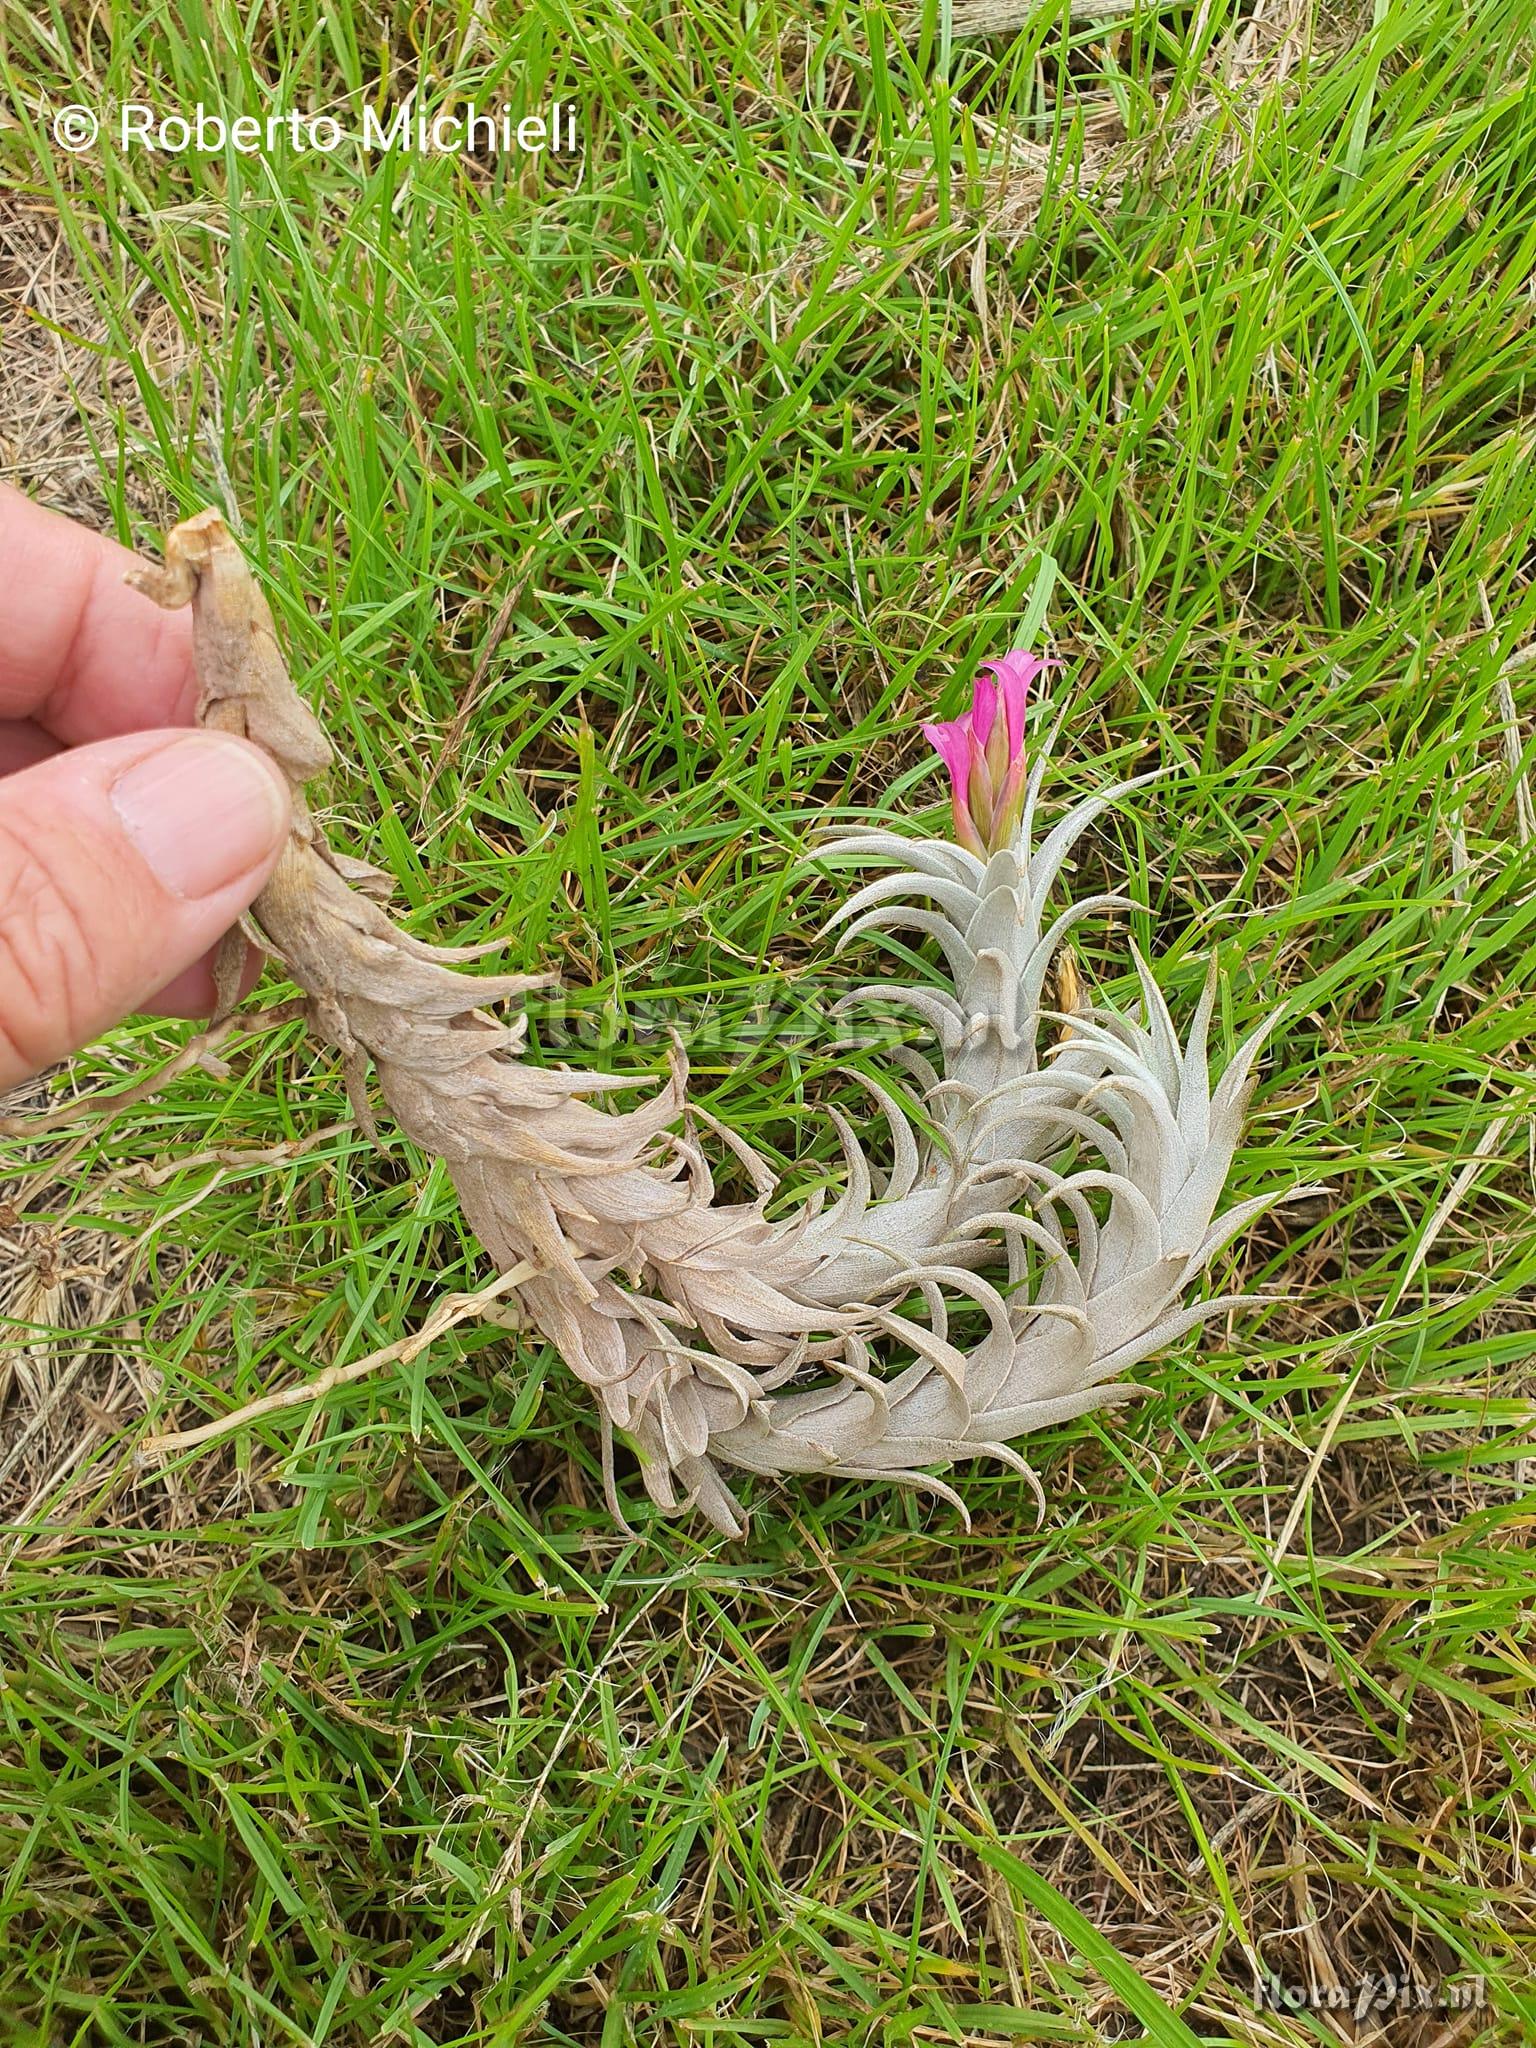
{"points": [[128, 843]]}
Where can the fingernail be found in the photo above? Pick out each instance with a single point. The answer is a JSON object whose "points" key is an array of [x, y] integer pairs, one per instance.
{"points": [[203, 811]]}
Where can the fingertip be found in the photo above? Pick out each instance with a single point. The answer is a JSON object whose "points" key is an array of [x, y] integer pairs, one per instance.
{"points": [[84, 655], [205, 811], [121, 864], [192, 993]]}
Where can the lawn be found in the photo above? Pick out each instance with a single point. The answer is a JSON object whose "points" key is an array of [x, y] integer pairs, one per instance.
{"points": [[624, 509]]}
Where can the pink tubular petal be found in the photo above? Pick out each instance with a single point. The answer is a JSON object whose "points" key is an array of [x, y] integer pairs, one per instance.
{"points": [[951, 740], [983, 709], [1016, 682], [1015, 672]]}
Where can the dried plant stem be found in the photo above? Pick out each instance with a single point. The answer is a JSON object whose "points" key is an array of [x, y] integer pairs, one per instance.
{"points": [[108, 1102], [1002, 17], [450, 1311]]}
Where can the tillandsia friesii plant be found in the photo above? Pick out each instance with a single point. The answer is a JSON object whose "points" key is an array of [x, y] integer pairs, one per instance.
{"points": [[1064, 1190]]}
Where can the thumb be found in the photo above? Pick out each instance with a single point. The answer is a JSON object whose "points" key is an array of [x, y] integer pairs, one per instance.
{"points": [[121, 864]]}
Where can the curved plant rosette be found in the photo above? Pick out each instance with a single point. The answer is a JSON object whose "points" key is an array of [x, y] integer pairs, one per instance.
{"points": [[1041, 1235]]}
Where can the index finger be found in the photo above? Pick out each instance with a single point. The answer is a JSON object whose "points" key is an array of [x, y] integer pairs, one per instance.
{"points": [[81, 654]]}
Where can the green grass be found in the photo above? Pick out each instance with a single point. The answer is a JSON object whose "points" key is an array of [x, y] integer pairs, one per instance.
{"points": [[761, 427]]}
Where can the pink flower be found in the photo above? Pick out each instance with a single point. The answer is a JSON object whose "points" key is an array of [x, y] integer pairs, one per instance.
{"points": [[985, 754]]}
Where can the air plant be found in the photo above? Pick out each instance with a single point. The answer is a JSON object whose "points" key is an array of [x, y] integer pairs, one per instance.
{"points": [[1062, 1197]]}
